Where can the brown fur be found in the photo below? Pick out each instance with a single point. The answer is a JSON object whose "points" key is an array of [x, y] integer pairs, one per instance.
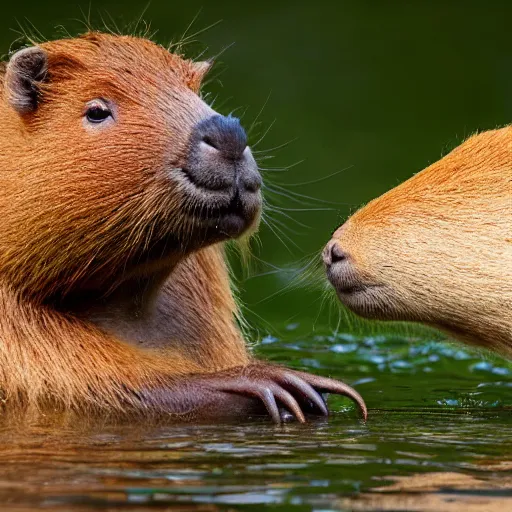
{"points": [[114, 291], [438, 248], [82, 323]]}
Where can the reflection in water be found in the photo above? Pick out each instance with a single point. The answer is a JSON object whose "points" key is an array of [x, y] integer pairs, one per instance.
{"points": [[448, 492], [426, 446]]}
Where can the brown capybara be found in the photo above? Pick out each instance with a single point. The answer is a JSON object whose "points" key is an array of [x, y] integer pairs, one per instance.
{"points": [[437, 249], [118, 187]]}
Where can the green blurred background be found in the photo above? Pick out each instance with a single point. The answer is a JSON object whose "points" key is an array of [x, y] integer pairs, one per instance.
{"points": [[373, 91]]}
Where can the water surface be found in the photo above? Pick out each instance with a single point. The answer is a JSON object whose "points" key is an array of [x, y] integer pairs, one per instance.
{"points": [[439, 435]]}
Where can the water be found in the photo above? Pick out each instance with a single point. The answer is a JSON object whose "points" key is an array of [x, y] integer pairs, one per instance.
{"points": [[372, 91], [318, 466], [440, 427]]}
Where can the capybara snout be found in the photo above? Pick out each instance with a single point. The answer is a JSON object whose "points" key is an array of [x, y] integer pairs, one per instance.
{"points": [[221, 174], [219, 158]]}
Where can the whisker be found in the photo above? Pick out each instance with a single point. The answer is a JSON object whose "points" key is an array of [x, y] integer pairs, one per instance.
{"points": [[23, 35], [277, 233], [225, 49], [35, 31], [283, 225], [255, 120], [189, 26], [139, 20], [86, 21], [236, 109], [201, 55], [281, 169], [323, 178], [116, 27], [282, 193], [267, 273], [299, 276], [284, 214], [277, 293], [323, 298], [281, 146], [267, 157], [280, 227], [264, 134], [268, 326], [268, 264], [106, 25], [63, 30], [307, 209], [187, 40], [297, 197], [288, 195]]}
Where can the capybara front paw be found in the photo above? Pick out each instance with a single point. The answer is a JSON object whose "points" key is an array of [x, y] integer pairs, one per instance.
{"points": [[279, 387]]}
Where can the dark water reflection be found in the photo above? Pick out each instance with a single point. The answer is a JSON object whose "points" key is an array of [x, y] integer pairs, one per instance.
{"points": [[442, 424]]}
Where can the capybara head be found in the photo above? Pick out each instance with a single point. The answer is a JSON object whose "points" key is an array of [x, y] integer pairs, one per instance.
{"points": [[112, 163], [436, 249]]}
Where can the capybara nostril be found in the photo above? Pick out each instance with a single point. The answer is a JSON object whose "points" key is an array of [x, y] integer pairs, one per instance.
{"points": [[225, 134], [337, 253], [208, 140], [333, 253]]}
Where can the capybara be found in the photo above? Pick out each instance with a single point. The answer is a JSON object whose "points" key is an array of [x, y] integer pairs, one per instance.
{"points": [[118, 186], [437, 249]]}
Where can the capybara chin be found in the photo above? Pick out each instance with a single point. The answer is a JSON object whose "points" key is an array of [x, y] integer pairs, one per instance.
{"points": [[437, 249], [118, 185]]}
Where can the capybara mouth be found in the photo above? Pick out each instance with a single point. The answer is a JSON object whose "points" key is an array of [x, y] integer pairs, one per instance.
{"points": [[225, 213], [354, 292], [351, 290], [367, 300], [346, 281], [347, 288], [344, 285], [219, 179]]}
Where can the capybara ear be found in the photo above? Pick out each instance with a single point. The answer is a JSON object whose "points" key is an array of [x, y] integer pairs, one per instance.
{"points": [[199, 71], [25, 71], [202, 67]]}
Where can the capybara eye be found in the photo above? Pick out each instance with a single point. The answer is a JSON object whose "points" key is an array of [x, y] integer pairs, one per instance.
{"points": [[97, 111]]}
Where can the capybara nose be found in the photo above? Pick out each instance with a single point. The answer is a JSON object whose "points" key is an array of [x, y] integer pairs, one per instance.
{"points": [[341, 269], [333, 253], [224, 134], [219, 158]]}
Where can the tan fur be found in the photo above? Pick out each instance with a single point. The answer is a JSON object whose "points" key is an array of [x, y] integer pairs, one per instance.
{"points": [[82, 323], [439, 246]]}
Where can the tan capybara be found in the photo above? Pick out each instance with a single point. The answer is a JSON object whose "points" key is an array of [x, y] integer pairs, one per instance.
{"points": [[437, 249], [118, 185]]}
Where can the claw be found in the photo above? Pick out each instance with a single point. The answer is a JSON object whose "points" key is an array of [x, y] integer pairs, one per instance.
{"points": [[289, 402], [270, 403], [323, 384], [308, 391]]}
